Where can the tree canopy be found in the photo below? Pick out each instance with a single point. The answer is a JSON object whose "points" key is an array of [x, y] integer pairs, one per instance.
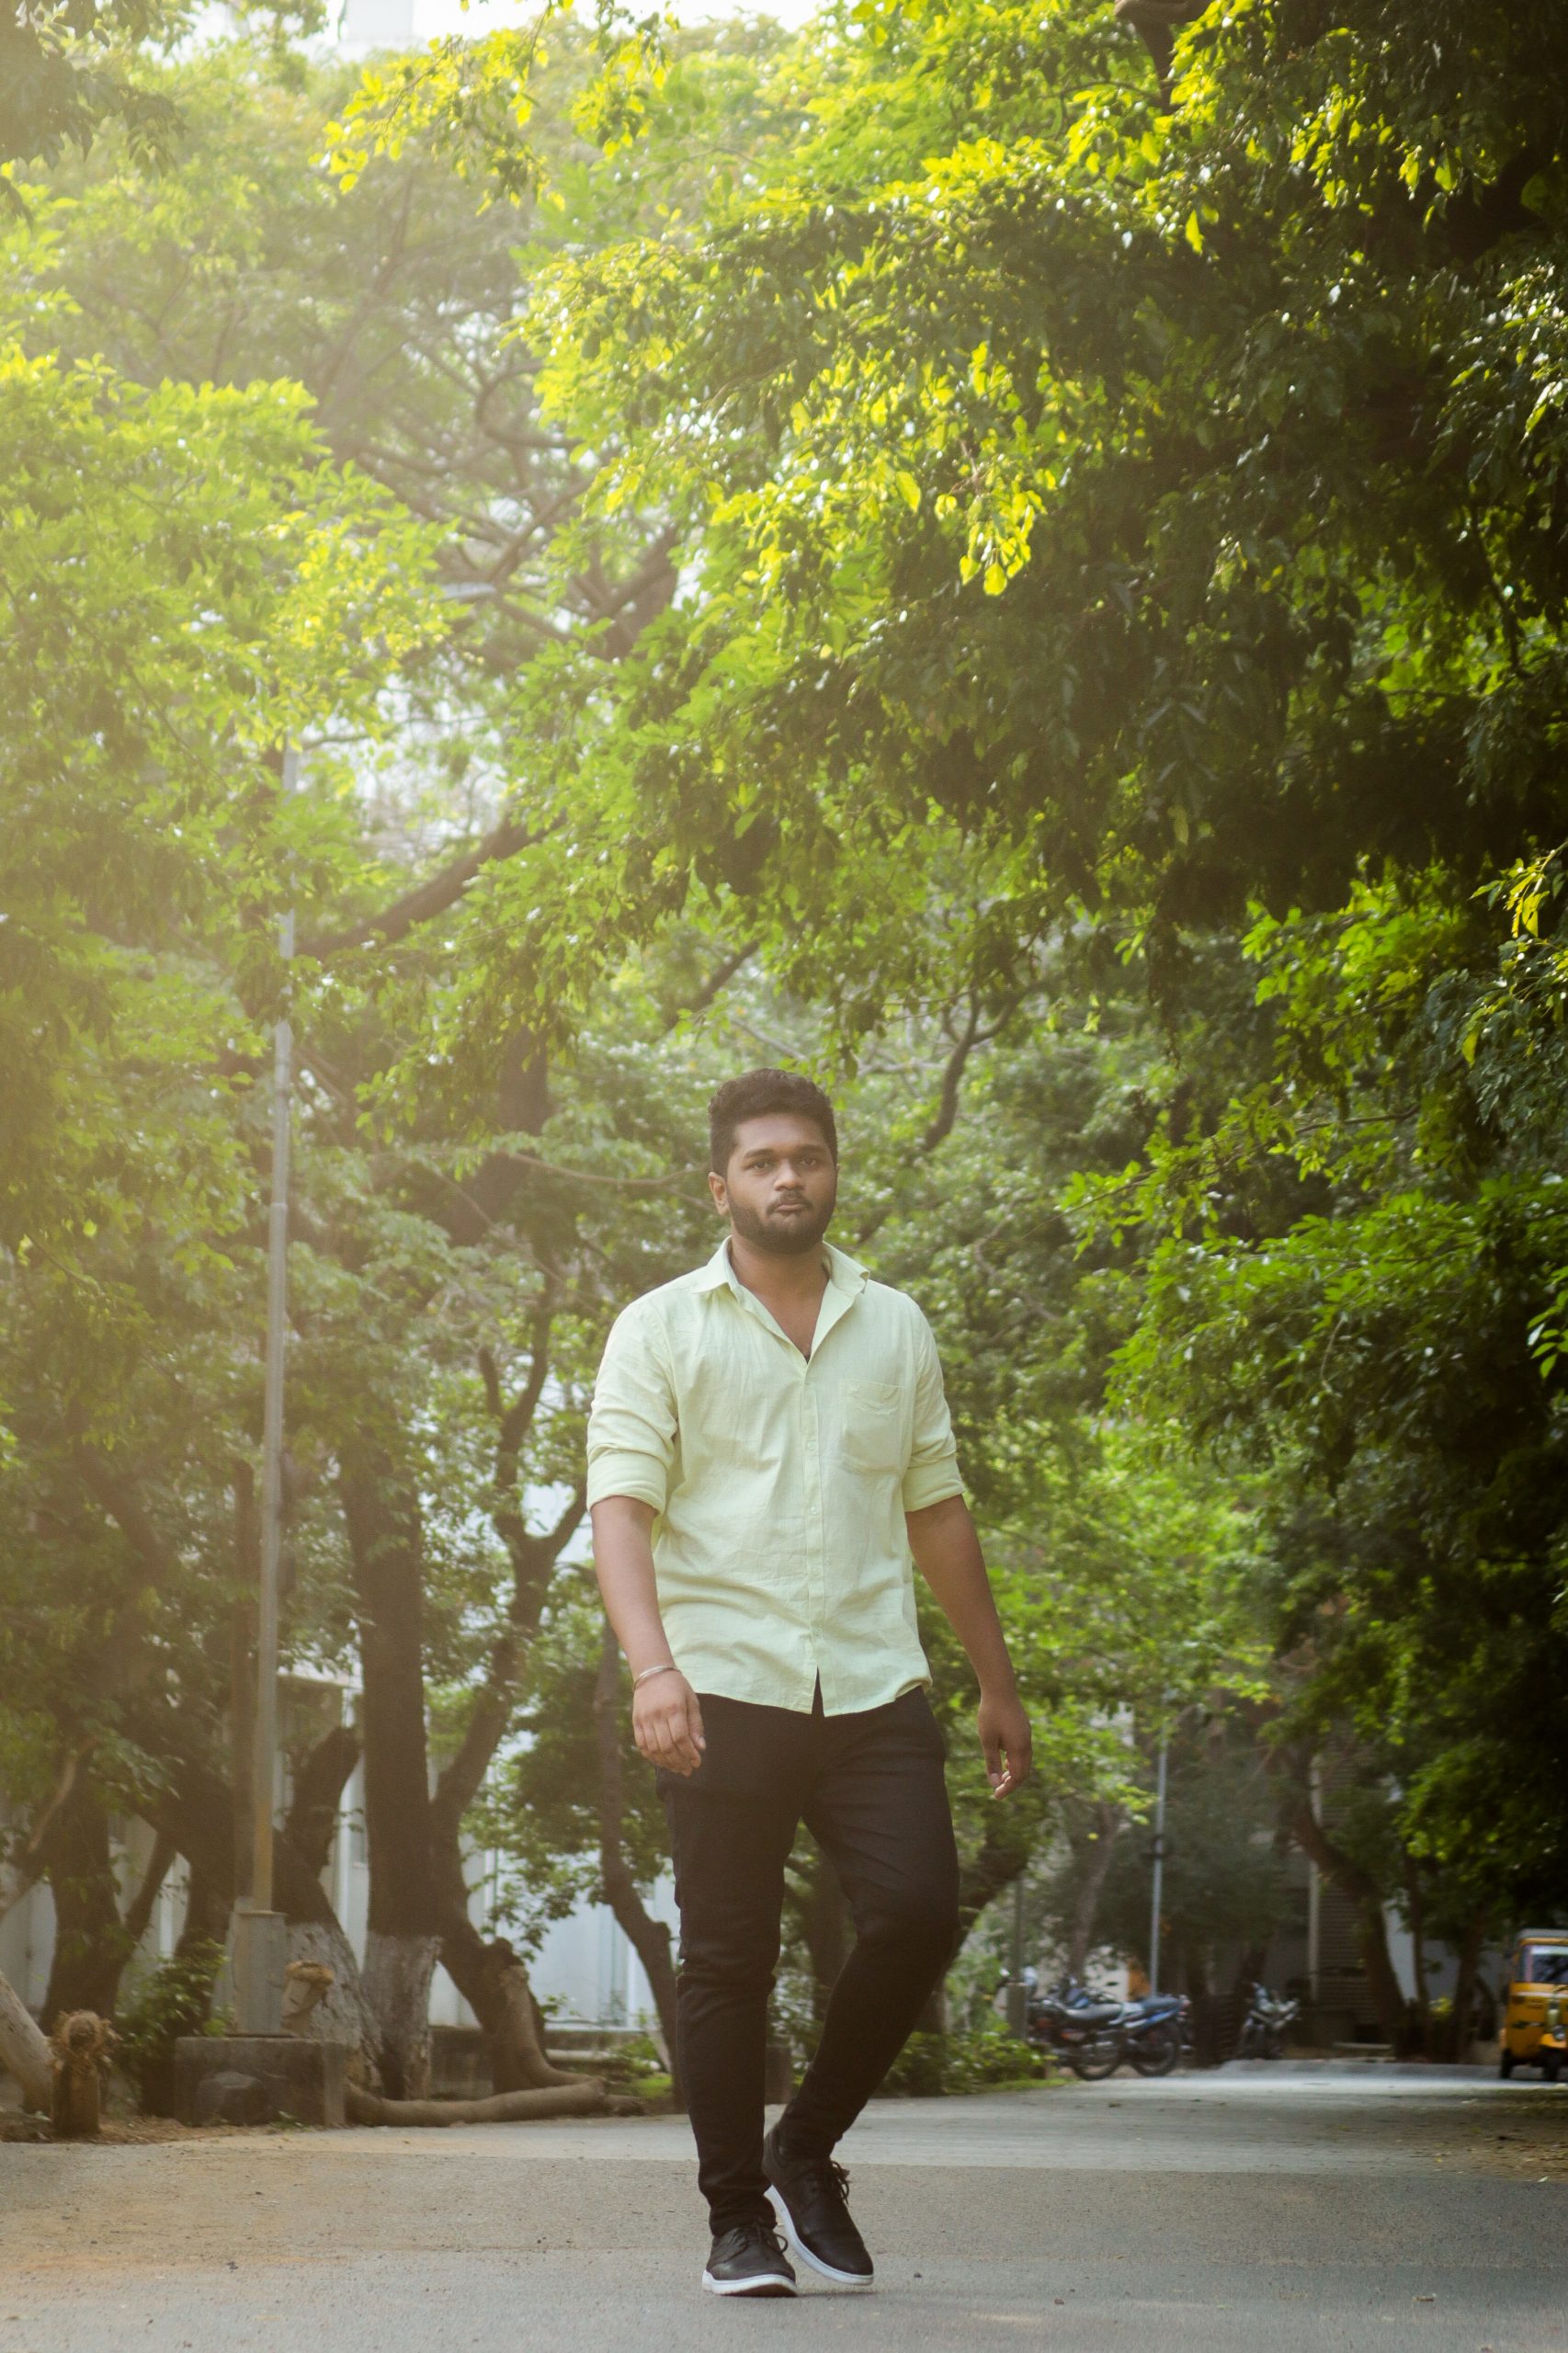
{"points": [[945, 549]]}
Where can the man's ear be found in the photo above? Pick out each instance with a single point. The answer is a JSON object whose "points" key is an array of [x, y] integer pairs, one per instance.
{"points": [[719, 1191]]}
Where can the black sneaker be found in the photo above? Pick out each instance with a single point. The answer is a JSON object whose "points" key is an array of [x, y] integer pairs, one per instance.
{"points": [[810, 2196], [748, 2261]]}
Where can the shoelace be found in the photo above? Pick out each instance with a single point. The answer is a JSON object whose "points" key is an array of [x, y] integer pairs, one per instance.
{"points": [[827, 2174]]}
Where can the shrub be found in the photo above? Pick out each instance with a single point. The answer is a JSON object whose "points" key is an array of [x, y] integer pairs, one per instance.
{"points": [[933, 2065], [173, 2002]]}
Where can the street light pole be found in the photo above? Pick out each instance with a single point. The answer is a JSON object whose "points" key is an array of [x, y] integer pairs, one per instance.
{"points": [[1017, 1992], [261, 1933], [1159, 1860]]}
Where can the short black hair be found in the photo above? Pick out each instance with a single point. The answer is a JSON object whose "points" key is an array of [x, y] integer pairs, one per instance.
{"points": [[755, 1094]]}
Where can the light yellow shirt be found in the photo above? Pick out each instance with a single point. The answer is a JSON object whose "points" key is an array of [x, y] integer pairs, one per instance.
{"points": [[780, 1482]]}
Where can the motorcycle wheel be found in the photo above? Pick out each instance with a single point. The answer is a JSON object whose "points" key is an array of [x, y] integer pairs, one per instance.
{"points": [[1157, 2055], [1093, 2061], [1551, 2068], [1505, 2063]]}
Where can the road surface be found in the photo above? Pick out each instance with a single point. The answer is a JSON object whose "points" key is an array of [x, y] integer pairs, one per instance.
{"points": [[1255, 2210]]}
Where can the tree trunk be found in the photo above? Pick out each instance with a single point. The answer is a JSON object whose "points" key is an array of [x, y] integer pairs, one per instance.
{"points": [[137, 1918], [194, 1808], [1456, 2042], [90, 1948], [1383, 1984], [311, 1822], [1093, 1847], [386, 1542], [22, 1867], [207, 1909], [1251, 1962], [24, 2049], [1382, 1978], [649, 1939], [343, 2013], [495, 1984], [1413, 1897], [396, 1974]]}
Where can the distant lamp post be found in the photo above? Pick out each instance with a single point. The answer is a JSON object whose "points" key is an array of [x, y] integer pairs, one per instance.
{"points": [[261, 1949], [1017, 1991], [1159, 1856]]}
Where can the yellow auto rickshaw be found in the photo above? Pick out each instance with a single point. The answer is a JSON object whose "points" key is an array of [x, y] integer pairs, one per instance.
{"points": [[1535, 2024]]}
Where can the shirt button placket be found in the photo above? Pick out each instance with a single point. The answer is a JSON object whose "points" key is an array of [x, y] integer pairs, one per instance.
{"points": [[816, 1595]]}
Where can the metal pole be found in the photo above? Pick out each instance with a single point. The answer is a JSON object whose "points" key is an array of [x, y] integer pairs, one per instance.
{"points": [[1017, 1992], [260, 1935], [1159, 1861], [1314, 1900]]}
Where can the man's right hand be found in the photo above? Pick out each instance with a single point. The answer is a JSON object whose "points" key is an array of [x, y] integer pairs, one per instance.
{"points": [[666, 1723]]}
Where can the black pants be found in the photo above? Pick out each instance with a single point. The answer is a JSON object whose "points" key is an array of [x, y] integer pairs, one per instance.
{"points": [[871, 1790]]}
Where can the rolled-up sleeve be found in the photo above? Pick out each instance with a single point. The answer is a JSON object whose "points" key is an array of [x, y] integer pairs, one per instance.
{"points": [[631, 1423], [932, 1475]]}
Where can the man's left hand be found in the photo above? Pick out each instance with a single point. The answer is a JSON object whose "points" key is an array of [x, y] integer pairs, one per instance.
{"points": [[1006, 1740]]}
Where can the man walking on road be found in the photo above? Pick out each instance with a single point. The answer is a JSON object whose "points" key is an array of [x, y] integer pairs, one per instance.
{"points": [[768, 1446]]}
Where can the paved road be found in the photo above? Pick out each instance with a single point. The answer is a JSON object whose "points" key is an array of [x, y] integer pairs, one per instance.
{"points": [[1254, 2211]]}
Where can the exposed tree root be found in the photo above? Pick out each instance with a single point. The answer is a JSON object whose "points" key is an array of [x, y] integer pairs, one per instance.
{"points": [[586, 2097]]}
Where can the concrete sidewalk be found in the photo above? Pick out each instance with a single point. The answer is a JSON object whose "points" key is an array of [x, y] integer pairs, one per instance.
{"points": [[1253, 2210]]}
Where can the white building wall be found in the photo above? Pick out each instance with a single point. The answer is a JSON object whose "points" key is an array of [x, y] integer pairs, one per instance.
{"points": [[585, 1969]]}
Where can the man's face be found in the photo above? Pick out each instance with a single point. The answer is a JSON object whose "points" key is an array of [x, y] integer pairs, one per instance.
{"points": [[781, 1185]]}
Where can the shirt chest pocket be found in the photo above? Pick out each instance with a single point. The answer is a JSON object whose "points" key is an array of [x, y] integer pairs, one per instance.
{"points": [[871, 1432]]}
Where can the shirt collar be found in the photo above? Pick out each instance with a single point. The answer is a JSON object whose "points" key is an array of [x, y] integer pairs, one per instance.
{"points": [[843, 1271]]}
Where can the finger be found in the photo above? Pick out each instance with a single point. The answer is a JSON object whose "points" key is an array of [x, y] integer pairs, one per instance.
{"points": [[694, 1720], [685, 1745], [683, 1755], [654, 1740], [667, 1731]]}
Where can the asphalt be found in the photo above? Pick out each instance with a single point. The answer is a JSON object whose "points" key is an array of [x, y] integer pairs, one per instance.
{"points": [[1265, 2209]]}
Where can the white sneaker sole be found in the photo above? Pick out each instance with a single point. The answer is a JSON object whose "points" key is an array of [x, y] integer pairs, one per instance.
{"points": [[763, 2284], [824, 2270]]}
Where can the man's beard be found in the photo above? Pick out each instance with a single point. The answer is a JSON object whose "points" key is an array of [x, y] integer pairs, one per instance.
{"points": [[789, 1237]]}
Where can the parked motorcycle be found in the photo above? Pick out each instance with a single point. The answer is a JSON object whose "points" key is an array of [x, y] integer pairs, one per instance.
{"points": [[1094, 2036], [1089, 2036], [1158, 2027], [1268, 2019]]}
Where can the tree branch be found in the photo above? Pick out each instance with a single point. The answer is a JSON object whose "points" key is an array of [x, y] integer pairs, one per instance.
{"points": [[312, 1820], [533, 1562], [432, 897], [141, 1909], [22, 1868]]}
